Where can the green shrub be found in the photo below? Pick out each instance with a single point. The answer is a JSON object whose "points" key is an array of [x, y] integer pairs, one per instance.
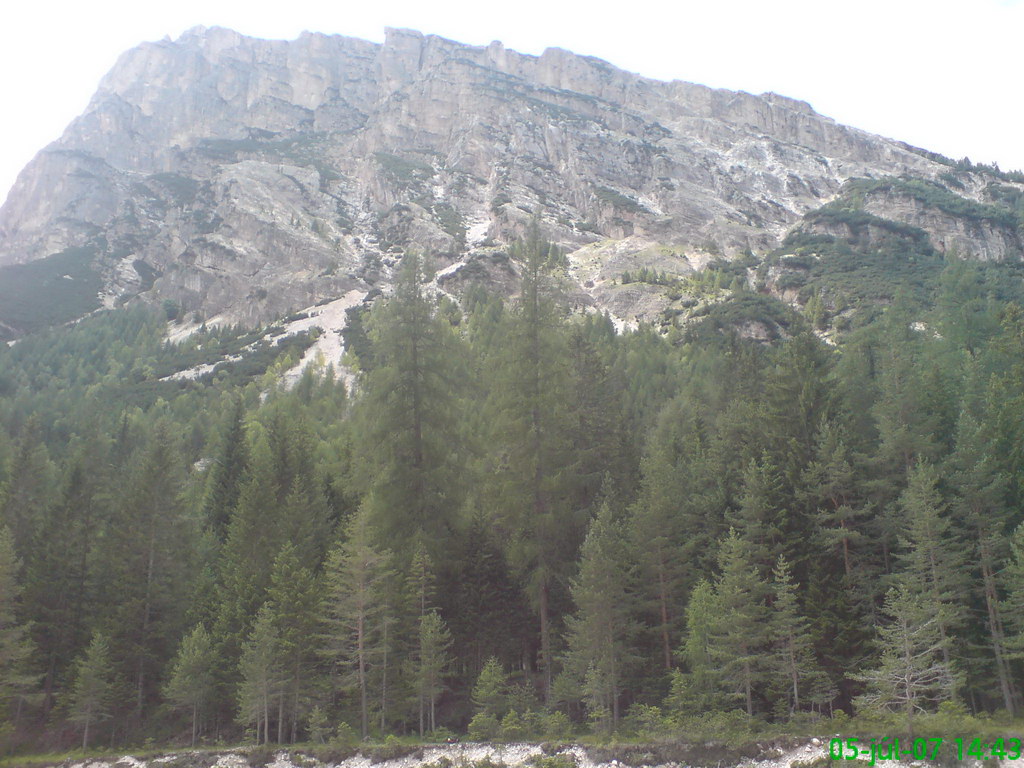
{"points": [[344, 736], [556, 726], [512, 727], [484, 727]]}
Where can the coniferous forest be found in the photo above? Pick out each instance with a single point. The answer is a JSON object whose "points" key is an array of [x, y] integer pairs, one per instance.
{"points": [[515, 522]]}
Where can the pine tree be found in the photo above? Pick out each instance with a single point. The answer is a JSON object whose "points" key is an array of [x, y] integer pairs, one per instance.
{"points": [[655, 534], [253, 541], [491, 617], [489, 693], [16, 678], [983, 517], [432, 663], [59, 573], [932, 565], [912, 676], [409, 420], [26, 494], [227, 471], [357, 578], [533, 482], [148, 550], [791, 637], [697, 690], [739, 632], [601, 632], [91, 694], [260, 674], [191, 684], [829, 489], [761, 520], [293, 602]]}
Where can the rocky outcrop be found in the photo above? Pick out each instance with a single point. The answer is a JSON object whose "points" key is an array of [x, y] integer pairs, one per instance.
{"points": [[241, 177]]}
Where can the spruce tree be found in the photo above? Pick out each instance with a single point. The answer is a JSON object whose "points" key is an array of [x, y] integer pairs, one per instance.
{"points": [[739, 632], [253, 541], [148, 550], [60, 573], [655, 523], [27, 492], [408, 417], [790, 634], [431, 665], [932, 564], [601, 633], [16, 677], [191, 684], [224, 483], [533, 481], [91, 694], [357, 576], [911, 677], [697, 689], [489, 693], [259, 669], [293, 602], [983, 517]]}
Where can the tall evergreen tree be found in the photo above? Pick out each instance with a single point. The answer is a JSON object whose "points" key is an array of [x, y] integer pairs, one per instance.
{"points": [[61, 573], [260, 675], [791, 637], [911, 676], [983, 517], [191, 684], [739, 633], [410, 423], [293, 602], [932, 564], [533, 478], [27, 492], [656, 536], [16, 677], [698, 689], [601, 633], [148, 551], [432, 663], [227, 471], [90, 697], [357, 578], [490, 690]]}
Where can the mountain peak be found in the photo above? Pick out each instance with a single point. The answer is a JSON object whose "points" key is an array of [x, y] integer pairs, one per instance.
{"points": [[243, 178]]}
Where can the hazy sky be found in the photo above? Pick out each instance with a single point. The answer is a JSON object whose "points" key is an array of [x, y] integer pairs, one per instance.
{"points": [[942, 74]]}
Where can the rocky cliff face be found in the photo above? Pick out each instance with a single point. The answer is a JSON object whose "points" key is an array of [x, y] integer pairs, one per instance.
{"points": [[241, 178]]}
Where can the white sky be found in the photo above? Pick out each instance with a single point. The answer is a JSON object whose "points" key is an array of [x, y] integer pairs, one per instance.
{"points": [[945, 75]]}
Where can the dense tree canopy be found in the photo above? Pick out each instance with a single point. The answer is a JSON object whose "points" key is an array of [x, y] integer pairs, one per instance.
{"points": [[518, 521]]}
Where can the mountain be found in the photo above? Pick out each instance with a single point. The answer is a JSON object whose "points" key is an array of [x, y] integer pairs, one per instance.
{"points": [[237, 179]]}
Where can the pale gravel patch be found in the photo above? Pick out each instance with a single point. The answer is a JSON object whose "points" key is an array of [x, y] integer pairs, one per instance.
{"points": [[463, 755], [476, 231], [329, 347]]}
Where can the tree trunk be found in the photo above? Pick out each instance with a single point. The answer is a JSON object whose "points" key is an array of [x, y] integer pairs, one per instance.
{"points": [[280, 718], [363, 707], [545, 640], [663, 599]]}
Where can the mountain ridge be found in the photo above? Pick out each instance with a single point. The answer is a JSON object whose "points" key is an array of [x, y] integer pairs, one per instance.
{"points": [[242, 178]]}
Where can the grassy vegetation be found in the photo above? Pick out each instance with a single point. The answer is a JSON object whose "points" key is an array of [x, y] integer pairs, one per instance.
{"points": [[618, 200], [935, 196], [741, 310], [49, 291], [403, 169]]}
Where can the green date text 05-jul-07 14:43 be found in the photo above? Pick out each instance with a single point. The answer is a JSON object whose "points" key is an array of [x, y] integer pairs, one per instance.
{"points": [[890, 748]]}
